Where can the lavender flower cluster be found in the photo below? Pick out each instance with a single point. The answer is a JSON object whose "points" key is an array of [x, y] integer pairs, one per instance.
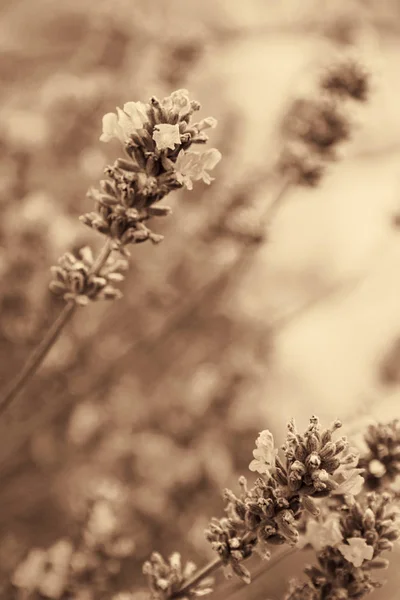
{"points": [[366, 529], [315, 496], [157, 138], [353, 534], [314, 128], [315, 466]]}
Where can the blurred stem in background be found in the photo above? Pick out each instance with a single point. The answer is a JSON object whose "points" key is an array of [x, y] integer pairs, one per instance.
{"points": [[40, 352]]}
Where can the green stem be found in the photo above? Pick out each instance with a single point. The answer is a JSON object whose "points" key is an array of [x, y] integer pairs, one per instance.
{"points": [[50, 337]]}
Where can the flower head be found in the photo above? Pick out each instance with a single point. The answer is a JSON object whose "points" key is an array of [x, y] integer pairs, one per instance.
{"points": [[75, 280], [382, 463], [166, 577], [157, 137]]}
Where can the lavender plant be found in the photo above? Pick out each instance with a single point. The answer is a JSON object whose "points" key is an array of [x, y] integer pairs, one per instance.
{"points": [[313, 495], [354, 533], [157, 138], [350, 536], [313, 466], [267, 514]]}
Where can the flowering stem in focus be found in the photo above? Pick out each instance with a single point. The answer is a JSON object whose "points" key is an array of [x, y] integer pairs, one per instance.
{"points": [[215, 564], [102, 257], [276, 559], [199, 576], [51, 336]]}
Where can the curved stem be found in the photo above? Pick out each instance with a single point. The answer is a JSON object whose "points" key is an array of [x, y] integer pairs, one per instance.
{"points": [[214, 288], [52, 334]]}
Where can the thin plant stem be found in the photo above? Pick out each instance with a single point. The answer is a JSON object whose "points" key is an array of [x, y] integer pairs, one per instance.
{"points": [[201, 574], [276, 559], [215, 564], [214, 288], [50, 337], [102, 257]]}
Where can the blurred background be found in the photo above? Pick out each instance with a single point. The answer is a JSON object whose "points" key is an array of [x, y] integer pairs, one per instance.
{"points": [[224, 329]]}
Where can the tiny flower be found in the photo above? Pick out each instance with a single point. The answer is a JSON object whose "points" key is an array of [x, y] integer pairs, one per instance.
{"points": [[166, 136], [136, 112], [207, 123], [74, 279], [356, 551], [193, 166], [348, 476], [124, 123], [322, 533], [265, 453], [178, 102], [165, 578]]}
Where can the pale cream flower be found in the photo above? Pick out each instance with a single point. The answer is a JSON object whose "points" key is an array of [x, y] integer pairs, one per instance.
{"points": [[265, 453], [178, 102], [348, 476], [193, 166], [356, 551], [350, 482], [207, 123], [166, 136], [124, 123], [322, 533]]}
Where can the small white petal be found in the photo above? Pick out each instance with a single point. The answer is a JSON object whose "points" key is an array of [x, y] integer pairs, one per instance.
{"points": [[322, 533], [350, 482], [166, 136], [127, 127], [136, 112], [178, 102], [208, 123], [110, 124], [356, 551]]}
